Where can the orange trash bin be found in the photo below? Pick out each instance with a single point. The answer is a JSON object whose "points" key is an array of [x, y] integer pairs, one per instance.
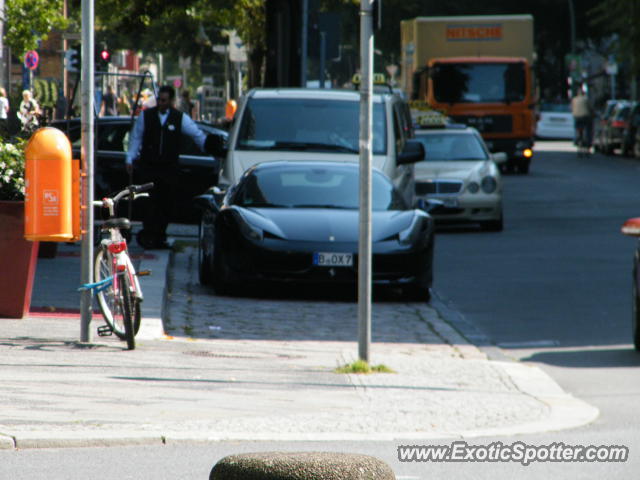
{"points": [[48, 187]]}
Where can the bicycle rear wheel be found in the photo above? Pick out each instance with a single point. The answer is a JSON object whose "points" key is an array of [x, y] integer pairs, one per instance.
{"points": [[112, 305]]}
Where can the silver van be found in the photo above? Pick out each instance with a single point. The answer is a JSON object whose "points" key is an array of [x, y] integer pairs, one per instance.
{"points": [[320, 124]]}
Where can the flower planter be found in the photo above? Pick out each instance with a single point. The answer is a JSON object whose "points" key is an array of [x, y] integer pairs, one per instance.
{"points": [[18, 259]]}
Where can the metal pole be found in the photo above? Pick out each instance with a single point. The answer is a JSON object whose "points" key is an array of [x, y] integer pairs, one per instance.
{"points": [[303, 43], [364, 241], [323, 50], [572, 21], [2, 57], [87, 122], [572, 25]]}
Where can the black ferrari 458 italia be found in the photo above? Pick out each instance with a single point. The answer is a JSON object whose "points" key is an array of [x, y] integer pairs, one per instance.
{"points": [[297, 222]]}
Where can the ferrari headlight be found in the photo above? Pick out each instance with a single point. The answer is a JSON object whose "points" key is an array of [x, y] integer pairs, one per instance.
{"points": [[249, 231], [409, 234], [473, 187], [489, 184]]}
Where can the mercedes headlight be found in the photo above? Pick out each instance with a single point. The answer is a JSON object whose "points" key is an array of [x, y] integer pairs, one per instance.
{"points": [[473, 187], [489, 184]]}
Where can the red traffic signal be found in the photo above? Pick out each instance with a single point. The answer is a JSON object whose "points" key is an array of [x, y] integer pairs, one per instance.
{"points": [[105, 55]]}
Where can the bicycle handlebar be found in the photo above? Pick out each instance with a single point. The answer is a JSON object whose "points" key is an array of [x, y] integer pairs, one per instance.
{"points": [[132, 190], [140, 188]]}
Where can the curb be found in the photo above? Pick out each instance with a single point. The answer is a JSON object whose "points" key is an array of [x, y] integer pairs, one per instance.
{"points": [[565, 410]]}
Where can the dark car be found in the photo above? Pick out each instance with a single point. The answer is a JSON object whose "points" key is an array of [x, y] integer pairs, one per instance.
{"points": [[198, 171], [297, 222], [632, 228], [632, 134], [614, 129], [600, 125]]}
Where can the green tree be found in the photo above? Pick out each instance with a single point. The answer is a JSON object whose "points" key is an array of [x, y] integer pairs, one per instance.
{"points": [[28, 21], [621, 18]]}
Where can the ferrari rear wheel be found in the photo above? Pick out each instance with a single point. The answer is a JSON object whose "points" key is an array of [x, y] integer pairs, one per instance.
{"points": [[220, 280]]}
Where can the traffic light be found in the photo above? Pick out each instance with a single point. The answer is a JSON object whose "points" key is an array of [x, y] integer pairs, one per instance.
{"points": [[102, 58], [73, 59]]}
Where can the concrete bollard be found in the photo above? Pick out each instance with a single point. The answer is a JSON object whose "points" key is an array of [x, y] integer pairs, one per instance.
{"points": [[300, 466]]}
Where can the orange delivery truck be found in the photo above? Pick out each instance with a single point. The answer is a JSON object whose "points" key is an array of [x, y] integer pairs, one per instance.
{"points": [[478, 70]]}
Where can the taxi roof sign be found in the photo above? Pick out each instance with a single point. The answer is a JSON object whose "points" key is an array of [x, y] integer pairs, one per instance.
{"points": [[431, 119], [378, 79]]}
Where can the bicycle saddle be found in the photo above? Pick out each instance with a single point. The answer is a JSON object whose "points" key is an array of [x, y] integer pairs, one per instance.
{"points": [[121, 223]]}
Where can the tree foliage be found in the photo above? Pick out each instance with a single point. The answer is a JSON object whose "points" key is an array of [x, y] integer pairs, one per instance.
{"points": [[621, 18], [28, 21]]}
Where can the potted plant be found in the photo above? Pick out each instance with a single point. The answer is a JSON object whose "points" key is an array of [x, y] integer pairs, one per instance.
{"points": [[19, 256]]}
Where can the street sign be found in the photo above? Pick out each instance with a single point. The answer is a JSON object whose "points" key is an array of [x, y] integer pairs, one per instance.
{"points": [[237, 50], [31, 60]]}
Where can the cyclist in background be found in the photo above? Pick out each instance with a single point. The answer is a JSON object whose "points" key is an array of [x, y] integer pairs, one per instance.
{"points": [[582, 117]]}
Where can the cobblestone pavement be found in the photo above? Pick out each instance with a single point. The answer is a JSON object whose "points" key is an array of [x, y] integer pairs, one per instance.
{"points": [[438, 371], [259, 367]]}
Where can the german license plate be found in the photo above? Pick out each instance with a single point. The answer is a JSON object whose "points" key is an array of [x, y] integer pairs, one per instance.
{"points": [[447, 201], [333, 259], [450, 202]]}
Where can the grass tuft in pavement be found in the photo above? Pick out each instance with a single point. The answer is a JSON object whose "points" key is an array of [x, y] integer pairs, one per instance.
{"points": [[360, 366]]}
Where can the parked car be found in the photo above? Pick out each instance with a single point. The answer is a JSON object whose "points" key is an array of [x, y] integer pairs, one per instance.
{"points": [[632, 228], [320, 124], [459, 170], [555, 121], [630, 145], [614, 129], [198, 171], [600, 125], [297, 222]]}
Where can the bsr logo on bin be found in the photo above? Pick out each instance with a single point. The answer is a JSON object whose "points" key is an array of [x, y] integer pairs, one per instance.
{"points": [[51, 196], [50, 203]]}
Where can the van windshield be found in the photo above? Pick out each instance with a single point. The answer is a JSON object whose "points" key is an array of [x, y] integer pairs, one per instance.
{"points": [[317, 125]]}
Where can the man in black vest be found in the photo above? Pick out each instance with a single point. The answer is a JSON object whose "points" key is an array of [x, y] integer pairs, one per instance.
{"points": [[155, 143]]}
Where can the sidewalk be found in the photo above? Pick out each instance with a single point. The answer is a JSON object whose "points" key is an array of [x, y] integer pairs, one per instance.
{"points": [[252, 369]]}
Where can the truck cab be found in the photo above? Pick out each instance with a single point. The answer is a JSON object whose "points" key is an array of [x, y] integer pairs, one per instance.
{"points": [[491, 94]]}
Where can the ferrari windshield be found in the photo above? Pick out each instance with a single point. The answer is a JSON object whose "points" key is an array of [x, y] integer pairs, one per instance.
{"points": [[451, 147], [301, 124], [478, 82], [310, 186]]}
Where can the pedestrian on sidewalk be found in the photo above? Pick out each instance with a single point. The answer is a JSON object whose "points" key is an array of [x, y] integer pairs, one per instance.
{"points": [[155, 146], [186, 105], [4, 113], [109, 106], [28, 112]]}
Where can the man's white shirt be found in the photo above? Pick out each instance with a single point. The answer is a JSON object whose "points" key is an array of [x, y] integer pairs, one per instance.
{"points": [[189, 128]]}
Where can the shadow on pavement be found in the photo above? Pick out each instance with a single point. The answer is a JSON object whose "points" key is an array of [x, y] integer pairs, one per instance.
{"points": [[588, 358]]}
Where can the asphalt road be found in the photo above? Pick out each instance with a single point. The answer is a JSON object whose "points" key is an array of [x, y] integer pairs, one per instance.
{"points": [[553, 288], [559, 274]]}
